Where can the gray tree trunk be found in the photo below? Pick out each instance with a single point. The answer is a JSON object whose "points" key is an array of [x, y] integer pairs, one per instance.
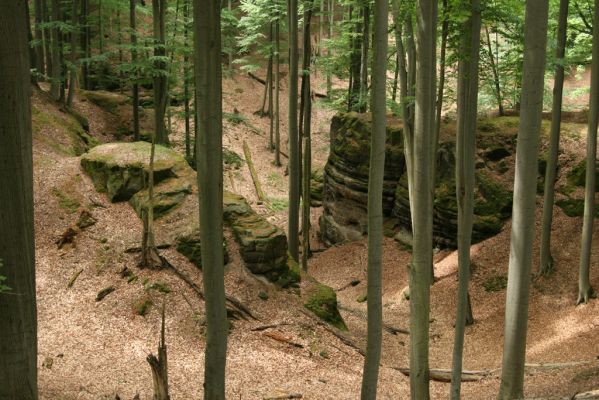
{"points": [[375, 200], [306, 133], [441, 85], [56, 72], [74, 56], [465, 159], [422, 204], [277, 92], [363, 101], [135, 86], [556, 119], [39, 37], [208, 77], [523, 214], [331, 27], [498, 95], [585, 291], [18, 329], [294, 162], [160, 81]]}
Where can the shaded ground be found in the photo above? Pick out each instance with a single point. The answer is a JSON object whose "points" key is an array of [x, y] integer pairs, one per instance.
{"points": [[98, 349]]}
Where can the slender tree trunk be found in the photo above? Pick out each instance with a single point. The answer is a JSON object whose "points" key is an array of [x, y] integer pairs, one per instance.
{"points": [[294, 161], [208, 74], [556, 116], [39, 37], [395, 78], [422, 211], [363, 101], [262, 112], [441, 85], [585, 291], [160, 82], [74, 54], [100, 28], [149, 252], [305, 85], [84, 44], [277, 91], [135, 85], [186, 74], [495, 74], [331, 26], [355, 63], [55, 79], [231, 50], [375, 201], [271, 121], [32, 51], [18, 329], [523, 218], [47, 39], [465, 160], [307, 130]]}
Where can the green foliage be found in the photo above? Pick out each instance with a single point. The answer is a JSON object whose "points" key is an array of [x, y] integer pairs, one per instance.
{"points": [[495, 283]]}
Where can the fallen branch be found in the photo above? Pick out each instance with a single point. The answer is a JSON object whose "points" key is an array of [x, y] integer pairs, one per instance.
{"points": [[250, 164], [345, 339], [279, 337], [444, 375], [74, 278], [104, 292], [265, 327], [238, 310], [285, 397]]}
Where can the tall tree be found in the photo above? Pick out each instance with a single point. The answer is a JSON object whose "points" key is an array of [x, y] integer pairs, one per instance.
{"points": [[294, 161], [160, 73], [523, 214], [85, 43], [422, 203], [329, 53], [135, 85], [74, 55], [18, 330], [442, 57], [208, 77], [363, 99], [585, 291], [465, 159], [186, 79], [496, 82], [556, 119], [39, 37], [277, 64], [56, 72], [375, 200]]}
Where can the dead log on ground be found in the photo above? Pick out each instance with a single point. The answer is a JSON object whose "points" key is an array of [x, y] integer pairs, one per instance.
{"points": [[248, 159]]}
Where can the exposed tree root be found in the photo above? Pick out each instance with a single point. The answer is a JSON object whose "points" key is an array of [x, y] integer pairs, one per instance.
{"points": [[585, 295]]}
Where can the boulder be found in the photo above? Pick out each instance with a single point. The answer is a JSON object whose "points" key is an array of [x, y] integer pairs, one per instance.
{"points": [[121, 169], [263, 246], [322, 301], [189, 244], [345, 196], [168, 194]]}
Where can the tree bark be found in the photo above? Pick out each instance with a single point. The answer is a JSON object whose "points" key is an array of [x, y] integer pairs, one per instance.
{"points": [[585, 291], [55, 78], [556, 116], [277, 91], [355, 63], [294, 161], [329, 53], [160, 79], [85, 46], [441, 85], [135, 85], [523, 218], [186, 74], [495, 74], [208, 73], [39, 37], [465, 160], [74, 54], [375, 201], [363, 99], [18, 330], [306, 133], [422, 205]]}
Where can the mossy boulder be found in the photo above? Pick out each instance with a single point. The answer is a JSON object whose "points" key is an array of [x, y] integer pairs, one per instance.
{"points": [[322, 301], [263, 246], [108, 101], [121, 169], [168, 194], [577, 176], [316, 187], [575, 207], [189, 244]]}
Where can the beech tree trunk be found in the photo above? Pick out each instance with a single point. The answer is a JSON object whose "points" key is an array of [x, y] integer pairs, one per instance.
{"points": [[375, 201], [422, 203], [208, 74], [498, 95], [277, 92], [441, 85], [355, 62], [135, 86], [186, 74], [160, 81], [85, 42], [56, 73], [363, 99], [74, 56], [523, 214], [331, 27], [39, 37], [294, 162], [306, 132], [18, 329], [585, 291], [556, 117], [465, 159]]}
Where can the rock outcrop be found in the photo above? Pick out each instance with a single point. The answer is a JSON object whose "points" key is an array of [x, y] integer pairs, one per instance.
{"points": [[121, 170], [346, 181], [189, 244]]}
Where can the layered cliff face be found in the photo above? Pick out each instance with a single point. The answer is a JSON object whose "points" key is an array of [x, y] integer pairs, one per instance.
{"points": [[346, 182]]}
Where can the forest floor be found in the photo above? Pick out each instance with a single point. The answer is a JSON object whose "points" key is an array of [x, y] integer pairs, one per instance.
{"points": [[94, 350]]}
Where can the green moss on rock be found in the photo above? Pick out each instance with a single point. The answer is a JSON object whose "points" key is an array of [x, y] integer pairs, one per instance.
{"points": [[322, 301], [189, 244], [168, 194], [577, 176], [108, 101]]}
